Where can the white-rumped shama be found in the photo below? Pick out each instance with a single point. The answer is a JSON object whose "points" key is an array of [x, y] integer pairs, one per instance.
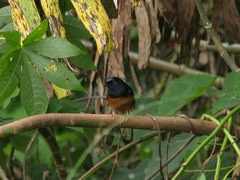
{"points": [[120, 96]]}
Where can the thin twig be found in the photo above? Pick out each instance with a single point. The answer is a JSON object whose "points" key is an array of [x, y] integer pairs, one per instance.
{"points": [[2, 174], [92, 77], [124, 148], [87, 98], [173, 156], [134, 78], [169, 134], [117, 153], [25, 153], [206, 162], [159, 146], [209, 28], [10, 164]]}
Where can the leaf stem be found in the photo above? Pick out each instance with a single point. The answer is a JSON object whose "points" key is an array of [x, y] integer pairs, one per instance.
{"points": [[199, 148]]}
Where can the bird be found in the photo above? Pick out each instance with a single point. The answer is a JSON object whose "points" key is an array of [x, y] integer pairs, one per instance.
{"points": [[121, 98], [120, 95]]}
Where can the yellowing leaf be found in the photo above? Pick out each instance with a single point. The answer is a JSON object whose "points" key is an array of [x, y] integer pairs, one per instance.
{"points": [[136, 2], [19, 20], [52, 68], [60, 92], [95, 19], [53, 13]]}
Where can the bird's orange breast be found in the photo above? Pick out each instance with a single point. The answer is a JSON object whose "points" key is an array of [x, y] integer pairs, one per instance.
{"points": [[122, 104]]}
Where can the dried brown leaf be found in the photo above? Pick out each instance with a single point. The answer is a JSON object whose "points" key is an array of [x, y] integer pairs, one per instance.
{"points": [[167, 9], [216, 14], [185, 12], [121, 30], [231, 20], [154, 25], [144, 34]]}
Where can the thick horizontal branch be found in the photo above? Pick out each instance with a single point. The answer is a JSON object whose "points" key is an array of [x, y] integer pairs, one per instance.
{"points": [[182, 124]]}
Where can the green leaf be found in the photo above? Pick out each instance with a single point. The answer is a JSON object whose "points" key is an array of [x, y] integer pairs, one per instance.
{"points": [[8, 77], [14, 110], [45, 155], [231, 93], [128, 174], [13, 38], [75, 28], [8, 27], [84, 60], [37, 33], [75, 32], [5, 15], [176, 142], [55, 47], [55, 72], [183, 90], [202, 177], [33, 93], [8, 100], [7, 54], [3, 47]]}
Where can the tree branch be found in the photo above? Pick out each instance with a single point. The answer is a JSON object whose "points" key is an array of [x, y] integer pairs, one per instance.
{"points": [[182, 124], [208, 26], [163, 65]]}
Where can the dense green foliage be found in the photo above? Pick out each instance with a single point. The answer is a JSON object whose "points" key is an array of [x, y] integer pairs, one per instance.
{"points": [[23, 93]]}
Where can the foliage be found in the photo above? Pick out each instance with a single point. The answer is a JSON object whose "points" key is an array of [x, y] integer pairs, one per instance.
{"points": [[30, 67]]}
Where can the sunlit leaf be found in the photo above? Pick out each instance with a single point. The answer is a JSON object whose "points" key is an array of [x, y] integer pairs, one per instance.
{"points": [[36, 33]]}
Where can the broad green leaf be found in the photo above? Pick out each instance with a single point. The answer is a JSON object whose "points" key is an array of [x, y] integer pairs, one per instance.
{"points": [[55, 72], [5, 15], [75, 27], [33, 93], [8, 100], [37, 33], [8, 27], [13, 38], [14, 110], [55, 47], [183, 90], [6, 55], [3, 47], [8, 78], [231, 93], [84, 60]]}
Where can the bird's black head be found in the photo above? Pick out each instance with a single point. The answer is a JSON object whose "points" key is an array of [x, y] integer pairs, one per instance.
{"points": [[112, 82], [117, 87]]}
